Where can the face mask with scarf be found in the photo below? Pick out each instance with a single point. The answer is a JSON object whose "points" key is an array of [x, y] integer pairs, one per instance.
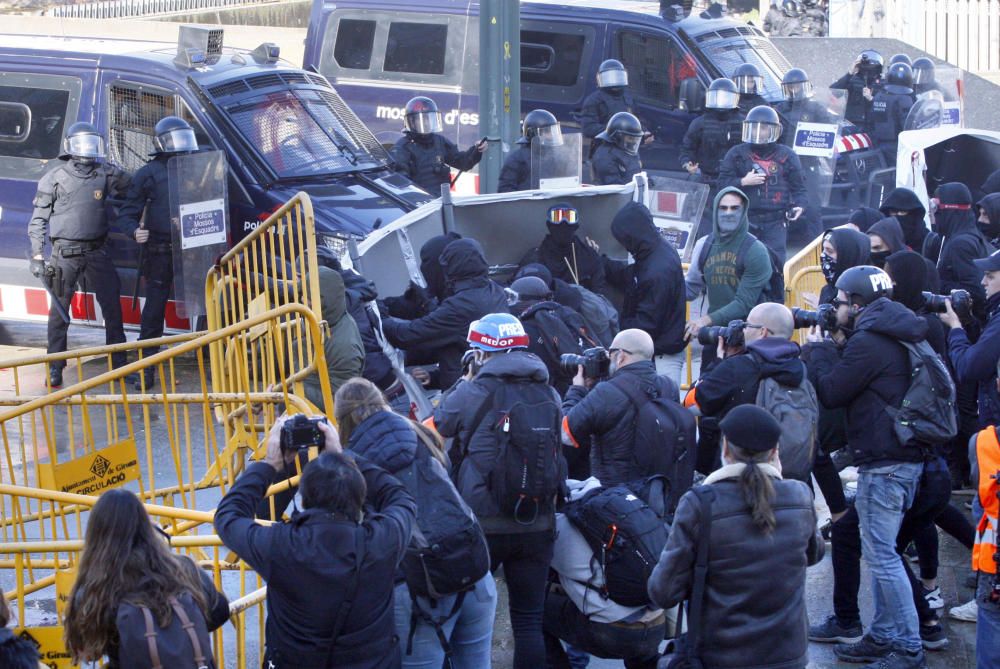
{"points": [[828, 264], [879, 258]]}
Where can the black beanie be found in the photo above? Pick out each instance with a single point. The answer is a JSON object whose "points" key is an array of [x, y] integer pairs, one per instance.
{"points": [[751, 428]]}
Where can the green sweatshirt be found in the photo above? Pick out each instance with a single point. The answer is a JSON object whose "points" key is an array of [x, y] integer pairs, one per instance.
{"points": [[731, 297]]}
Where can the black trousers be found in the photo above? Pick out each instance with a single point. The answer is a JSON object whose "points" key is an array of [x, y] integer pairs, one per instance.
{"points": [[159, 274], [77, 264]]}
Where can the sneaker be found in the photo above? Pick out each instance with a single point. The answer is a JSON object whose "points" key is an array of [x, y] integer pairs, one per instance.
{"points": [[831, 631], [865, 650], [933, 637], [967, 612], [55, 377], [898, 659], [934, 599]]}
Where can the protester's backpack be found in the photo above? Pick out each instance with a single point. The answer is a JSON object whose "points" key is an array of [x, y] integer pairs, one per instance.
{"points": [[184, 644], [550, 338], [626, 536], [600, 315], [927, 415], [797, 411], [774, 289], [448, 551], [664, 441], [529, 469]]}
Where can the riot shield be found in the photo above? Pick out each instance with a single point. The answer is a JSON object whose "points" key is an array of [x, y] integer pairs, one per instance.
{"points": [[560, 166], [939, 100], [199, 221], [815, 138], [676, 206]]}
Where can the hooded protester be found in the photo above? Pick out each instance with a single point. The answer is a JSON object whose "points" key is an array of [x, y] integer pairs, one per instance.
{"points": [[360, 291], [864, 217], [886, 238], [344, 350], [906, 207], [470, 294], [565, 255], [562, 292], [988, 211], [961, 243], [908, 271], [842, 249], [417, 301], [992, 183]]}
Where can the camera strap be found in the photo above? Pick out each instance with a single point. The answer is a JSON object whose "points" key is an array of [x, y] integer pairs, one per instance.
{"points": [[704, 494], [349, 595]]}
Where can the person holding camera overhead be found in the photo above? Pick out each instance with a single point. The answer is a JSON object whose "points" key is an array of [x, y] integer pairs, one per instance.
{"points": [[330, 571]]}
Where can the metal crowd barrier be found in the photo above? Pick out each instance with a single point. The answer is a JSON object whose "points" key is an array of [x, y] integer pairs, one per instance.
{"points": [[119, 9], [804, 280]]}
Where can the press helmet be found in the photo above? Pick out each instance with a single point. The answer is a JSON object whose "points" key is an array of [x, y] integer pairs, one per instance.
{"points": [[83, 142], [864, 284], [795, 85], [923, 71], [722, 94], [422, 116], [174, 135], [624, 131], [612, 74], [497, 332], [899, 74], [761, 126], [748, 79], [542, 124]]}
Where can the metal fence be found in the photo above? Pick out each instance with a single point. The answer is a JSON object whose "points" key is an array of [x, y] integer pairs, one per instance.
{"points": [[123, 9]]}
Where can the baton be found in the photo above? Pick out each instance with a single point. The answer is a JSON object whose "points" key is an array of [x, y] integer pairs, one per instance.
{"points": [[413, 388], [46, 278], [138, 273], [451, 183]]}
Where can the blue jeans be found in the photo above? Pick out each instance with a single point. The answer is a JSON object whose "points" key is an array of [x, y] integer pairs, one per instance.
{"points": [[469, 631], [987, 627], [884, 495]]}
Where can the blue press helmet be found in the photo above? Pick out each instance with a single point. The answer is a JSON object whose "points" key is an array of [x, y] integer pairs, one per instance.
{"points": [[497, 332]]}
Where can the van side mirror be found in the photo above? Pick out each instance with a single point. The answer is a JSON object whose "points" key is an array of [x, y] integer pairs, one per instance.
{"points": [[692, 96]]}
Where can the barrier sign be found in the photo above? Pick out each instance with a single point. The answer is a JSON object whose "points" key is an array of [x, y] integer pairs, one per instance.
{"points": [[203, 223], [676, 206], [65, 578], [50, 645], [94, 472], [815, 139], [951, 113]]}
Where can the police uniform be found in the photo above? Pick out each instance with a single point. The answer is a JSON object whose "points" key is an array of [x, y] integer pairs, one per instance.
{"points": [[149, 191], [888, 118], [70, 207], [613, 165], [516, 171], [426, 160], [600, 106], [707, 140], [750, 100]]}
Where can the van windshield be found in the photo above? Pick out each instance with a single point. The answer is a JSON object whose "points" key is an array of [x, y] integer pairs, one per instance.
{"points": [[727, 55], [298, 134]]}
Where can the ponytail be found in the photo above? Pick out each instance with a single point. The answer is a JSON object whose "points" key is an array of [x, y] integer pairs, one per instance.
{"points": [[758, 491]]}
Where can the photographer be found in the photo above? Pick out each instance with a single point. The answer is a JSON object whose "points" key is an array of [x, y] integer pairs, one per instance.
{"points": [[602, 412], [330, 571]]}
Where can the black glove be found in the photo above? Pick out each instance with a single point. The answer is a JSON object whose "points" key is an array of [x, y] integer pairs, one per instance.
{"points": [[37, 267]]}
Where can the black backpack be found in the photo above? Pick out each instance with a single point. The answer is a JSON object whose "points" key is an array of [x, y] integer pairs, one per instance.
{"points": [[774, 289], [927, 415], [551, 337], [664, 437], [184, 644], [529, 469], [627, 537]]}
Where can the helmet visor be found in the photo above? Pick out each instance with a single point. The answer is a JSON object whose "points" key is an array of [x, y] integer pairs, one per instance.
{"points": [[177, 141], [85, 146], [612, 78], [424, 123], [566, 215], [550, 135], [749, 84], [761, 133], [629, 143], [923, 76], [722, 100], [797, 91]]}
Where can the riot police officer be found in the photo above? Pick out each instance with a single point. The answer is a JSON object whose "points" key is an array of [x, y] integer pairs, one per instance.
{"points": [[516, 171], [900, 58], [924, 79], [612, 96], [149, 192], [861, 84], [770, 175], [712, 134], [798, 105], [70, 207], [750, 82], [425, 156], [889, 109], [615, 160]]}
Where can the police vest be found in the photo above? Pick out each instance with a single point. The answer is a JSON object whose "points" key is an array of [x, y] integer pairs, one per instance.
{"points": [[988, 456]]}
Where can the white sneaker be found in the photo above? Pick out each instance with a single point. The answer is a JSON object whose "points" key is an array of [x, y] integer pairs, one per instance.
{"points": [[934, 599], [967, 612]]}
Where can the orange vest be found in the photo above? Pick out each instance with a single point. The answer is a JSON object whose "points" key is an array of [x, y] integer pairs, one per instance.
{"points": [[988, 457]]}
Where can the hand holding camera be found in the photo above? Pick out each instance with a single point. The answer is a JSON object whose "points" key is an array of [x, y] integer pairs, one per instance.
{"points": [[593, 365], [951, 309], [291, 434]]}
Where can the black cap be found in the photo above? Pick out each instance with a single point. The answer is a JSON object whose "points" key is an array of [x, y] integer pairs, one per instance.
{"points": [[990, 263], [751, 428]]}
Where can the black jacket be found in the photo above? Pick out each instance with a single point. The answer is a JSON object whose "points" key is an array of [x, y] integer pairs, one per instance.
{"points": [[653, 285], [612, 165], [750, 100], [754, 614], [888, 114], [605, 417], [961, 243], [472, 296], [853, 249], [709, 137], [978, 362], [426, 159], [908, 270], [309, 562], [871, 372], [359, 291], [991, 231], [735, 380], [148, 191], [600, 106], [914, 229], [784, 188], [516, 171], [559, 258], [799, 111], [858, 106], [564, 333], [992, 183], [17, 652]]}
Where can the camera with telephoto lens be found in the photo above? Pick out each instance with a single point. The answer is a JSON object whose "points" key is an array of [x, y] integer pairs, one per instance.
{"points": [[731, 335], [596, 362], [825, 317], [961, 303], [301, 431]]}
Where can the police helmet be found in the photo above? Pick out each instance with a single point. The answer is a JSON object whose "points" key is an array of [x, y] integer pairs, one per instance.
{"points": [[624, 131], [422, 116], [83, 142], [612, 74], [497, 332], [761, 126], [790, 8], [899, 74], [900, 58], [871, 61], [923, 71], [174, 135], [748, 79], [795, 85], [722, 94], [864, 284], [542, 124]]}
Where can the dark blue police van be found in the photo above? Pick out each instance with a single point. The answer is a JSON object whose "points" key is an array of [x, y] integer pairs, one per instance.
{"points": [[241, 102], [379, 53]]}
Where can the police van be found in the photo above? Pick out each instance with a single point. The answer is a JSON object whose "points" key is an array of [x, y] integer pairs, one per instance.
{"points": [[379, 53], [243, 103]]}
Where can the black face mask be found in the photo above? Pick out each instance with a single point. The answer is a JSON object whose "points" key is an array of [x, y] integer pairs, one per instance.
{"points": [[991, 230], [879, 258], [913, 227], [562, 234], [829, 266]]}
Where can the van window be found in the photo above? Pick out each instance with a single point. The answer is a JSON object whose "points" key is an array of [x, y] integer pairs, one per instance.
{"points": [[655, 66], [33, 113], [416, 47], [550, 58], [355, 41]]}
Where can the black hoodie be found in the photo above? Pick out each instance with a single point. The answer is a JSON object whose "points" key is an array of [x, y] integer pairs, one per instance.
{"points": [[908, 270], [991, 205], [961, 243], [416, 301], [558, 257], [992, 183], [654, 285], [871, 372], [852, 250], [864, 218], [914, 229]]}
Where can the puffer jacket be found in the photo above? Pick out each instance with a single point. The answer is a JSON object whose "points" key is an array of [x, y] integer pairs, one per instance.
{"points": [[752, 618], [344, 350], [871, 372], [472, 295], [386, 439]]}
